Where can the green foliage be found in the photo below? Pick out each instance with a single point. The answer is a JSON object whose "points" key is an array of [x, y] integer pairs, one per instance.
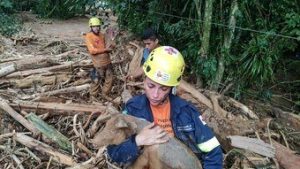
{"points": [[23, 5], [293, 21], [8, 23], [5, 6], [253, 57], [257, 61], [59, 8], [265, 94]]}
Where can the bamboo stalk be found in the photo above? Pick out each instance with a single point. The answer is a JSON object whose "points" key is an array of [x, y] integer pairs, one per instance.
{"points": [[50, 132]]}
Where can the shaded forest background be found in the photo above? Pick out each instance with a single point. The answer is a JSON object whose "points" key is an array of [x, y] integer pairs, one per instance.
{"points": [[244, 49]]}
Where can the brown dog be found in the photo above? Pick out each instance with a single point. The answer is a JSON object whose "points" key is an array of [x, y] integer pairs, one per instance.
{"points": [[170, 155]]}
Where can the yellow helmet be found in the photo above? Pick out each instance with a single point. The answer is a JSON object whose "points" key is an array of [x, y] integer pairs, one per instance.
{"points": [[165, 65], [94, 21]]}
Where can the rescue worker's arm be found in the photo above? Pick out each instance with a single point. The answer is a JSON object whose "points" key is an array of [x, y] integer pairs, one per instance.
{"points": [[94, 50], [128, 151], [213, 159], [209, 146], [124, 153]]}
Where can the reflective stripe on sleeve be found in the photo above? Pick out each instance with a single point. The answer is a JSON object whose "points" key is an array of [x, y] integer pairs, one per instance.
{"points": [[124, 111], [209, 145]]}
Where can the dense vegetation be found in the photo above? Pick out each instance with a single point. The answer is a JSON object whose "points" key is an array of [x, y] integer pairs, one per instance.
{"points": [[248, 58], [243, 44], [8, 23]]}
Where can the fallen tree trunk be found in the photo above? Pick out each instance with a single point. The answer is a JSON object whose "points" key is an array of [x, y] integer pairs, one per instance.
{"points": [[37, 62], [41, 70], [42, 80], [9, 60], [216, 106], [254, 145], [48, 69], [288, 117], [62, 91], [5, 70], [213, 102], [286, 158], [33, 63], [185, 86], [44, 148], [5, 106], [59, 108], [243, 108]]}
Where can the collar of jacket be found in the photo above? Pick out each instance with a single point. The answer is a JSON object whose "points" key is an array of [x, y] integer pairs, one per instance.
{"points": [[176, 103]]}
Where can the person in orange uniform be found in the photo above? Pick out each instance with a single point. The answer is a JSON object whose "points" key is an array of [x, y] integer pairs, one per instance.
{"points": [[95, 42]]}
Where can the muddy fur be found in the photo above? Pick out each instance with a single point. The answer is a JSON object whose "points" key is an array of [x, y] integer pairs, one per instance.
{"points": [[172, 154]]}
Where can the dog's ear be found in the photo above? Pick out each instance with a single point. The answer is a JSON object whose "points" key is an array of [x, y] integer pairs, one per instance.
{"points": [[121, 123]]}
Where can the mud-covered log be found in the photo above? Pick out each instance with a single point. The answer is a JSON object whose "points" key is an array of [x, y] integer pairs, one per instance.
{"points": [[66, 65], [245, 110], [288, 118], [71, 89], [185, 86], [33, 62], [58, 108], [40, 70], [287, 159], [42, 80]]}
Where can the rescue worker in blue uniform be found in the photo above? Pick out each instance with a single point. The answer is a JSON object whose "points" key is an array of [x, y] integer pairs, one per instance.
{"points": [[170, 115]]}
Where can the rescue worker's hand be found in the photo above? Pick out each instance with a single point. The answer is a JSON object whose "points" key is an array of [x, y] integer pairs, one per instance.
{"points": [[150, 135]]}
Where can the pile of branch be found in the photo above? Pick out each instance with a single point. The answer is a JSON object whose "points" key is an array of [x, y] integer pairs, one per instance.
{"points": [[45, 94]]}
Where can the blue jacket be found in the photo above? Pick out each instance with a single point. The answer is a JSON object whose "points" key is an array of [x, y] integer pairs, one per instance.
{"points": [[146, 53], [187, 125]]}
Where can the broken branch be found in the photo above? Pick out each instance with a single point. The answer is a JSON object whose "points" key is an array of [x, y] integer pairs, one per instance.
{"points": [[44, 148], [5, 106]]}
